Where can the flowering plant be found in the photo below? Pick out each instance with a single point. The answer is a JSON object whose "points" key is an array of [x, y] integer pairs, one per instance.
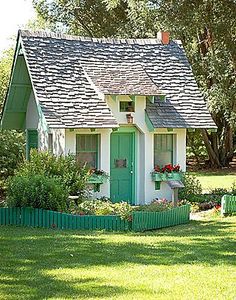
{"points": [[167, 168]]}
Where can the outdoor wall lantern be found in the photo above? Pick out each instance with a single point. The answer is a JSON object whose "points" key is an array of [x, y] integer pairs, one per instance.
{"points": [[130, 118]]}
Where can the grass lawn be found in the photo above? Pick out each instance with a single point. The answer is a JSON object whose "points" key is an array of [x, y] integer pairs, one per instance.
{"points": [[193, 261], [216, 179]]}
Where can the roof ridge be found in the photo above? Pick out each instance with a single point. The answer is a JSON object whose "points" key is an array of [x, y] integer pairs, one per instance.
{"points": [[61, 36]]}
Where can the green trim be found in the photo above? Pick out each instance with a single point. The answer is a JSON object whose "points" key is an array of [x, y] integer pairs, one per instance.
{"points": [[170, 129], [151, 99], [148, 123], [42, 120], [191, 129], [133, 98], [127, 129]]}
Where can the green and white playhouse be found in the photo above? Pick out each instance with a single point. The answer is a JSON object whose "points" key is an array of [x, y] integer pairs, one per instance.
{"points": [[122, 106]]}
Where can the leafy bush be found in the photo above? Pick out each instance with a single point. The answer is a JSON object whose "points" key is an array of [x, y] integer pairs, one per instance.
{"points": [[64, 168], [192, 188], [199, 206], [103, 208], [36, 191], [12, 151], [156, 206]]}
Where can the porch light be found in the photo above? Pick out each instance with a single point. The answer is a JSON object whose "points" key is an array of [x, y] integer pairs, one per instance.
{"points": [[129, 118]]}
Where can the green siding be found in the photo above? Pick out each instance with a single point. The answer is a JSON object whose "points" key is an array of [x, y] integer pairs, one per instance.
{"points": [[20, 88]]}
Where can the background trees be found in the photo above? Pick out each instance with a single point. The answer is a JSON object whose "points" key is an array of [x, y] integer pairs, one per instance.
{"points": [[207, 29]]}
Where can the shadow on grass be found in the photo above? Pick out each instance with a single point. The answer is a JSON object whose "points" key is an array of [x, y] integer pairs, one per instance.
{"points": [[29, 255]]}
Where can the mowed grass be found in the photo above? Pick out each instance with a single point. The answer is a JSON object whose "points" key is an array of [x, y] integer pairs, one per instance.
{"points": [[193, 261], [216, 179]]}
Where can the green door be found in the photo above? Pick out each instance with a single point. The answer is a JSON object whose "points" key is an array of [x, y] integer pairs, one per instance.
{"points": [[31, 141], [122, 167]]}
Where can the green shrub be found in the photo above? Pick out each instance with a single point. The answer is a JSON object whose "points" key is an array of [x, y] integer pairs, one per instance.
{"points": [[12, 151], [64, 168], [192, 187], [36, 191]]}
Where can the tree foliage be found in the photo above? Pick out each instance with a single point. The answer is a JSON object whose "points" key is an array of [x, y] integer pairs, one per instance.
{"points": [[99, 18], [207, 29]]}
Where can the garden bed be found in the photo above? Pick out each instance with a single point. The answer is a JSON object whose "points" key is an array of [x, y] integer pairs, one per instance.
{"points": [[140, 220]]}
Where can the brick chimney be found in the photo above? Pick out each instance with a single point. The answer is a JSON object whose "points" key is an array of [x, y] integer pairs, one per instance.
{"points": [[164, 37]]}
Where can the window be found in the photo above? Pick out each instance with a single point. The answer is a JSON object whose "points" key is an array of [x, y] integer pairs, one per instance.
{"points": [[126, 106], [50, 142], [163, 149], [87, 149]]}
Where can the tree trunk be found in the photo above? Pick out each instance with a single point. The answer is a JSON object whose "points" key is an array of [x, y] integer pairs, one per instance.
{"points": [[214, 158]]}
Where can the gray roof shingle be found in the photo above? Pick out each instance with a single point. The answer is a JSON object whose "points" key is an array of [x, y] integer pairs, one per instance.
{"points": [[70, 74]]}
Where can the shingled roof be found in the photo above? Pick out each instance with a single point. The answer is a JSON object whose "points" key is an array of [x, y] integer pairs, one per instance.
{"points": [[71, 75]]}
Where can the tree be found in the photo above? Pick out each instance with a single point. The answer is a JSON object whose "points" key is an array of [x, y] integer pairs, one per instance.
{"points": [[210, 45], [207, 29], [99, 18]]}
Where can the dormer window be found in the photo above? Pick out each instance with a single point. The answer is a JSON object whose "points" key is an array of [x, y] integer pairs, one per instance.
{"points": [[157, 98], [127, 106]]}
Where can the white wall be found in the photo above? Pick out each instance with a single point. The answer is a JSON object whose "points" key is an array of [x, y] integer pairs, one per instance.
{"points": [[32, 115]]}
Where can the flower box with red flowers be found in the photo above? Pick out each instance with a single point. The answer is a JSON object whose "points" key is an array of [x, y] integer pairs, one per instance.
{"points": [[167, 173]]}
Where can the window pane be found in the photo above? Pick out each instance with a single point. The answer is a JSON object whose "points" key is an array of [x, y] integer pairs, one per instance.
{"points": [[126, 106], [163, 158], [163, 149], [50, 142], [87, 149], [88, 158]]}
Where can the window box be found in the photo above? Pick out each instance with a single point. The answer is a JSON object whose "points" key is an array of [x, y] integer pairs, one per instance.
{"points": [[159, 177], [97, 179]]}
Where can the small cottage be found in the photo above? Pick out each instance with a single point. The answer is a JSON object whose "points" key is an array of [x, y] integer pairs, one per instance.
{"points": [[120, 105]]}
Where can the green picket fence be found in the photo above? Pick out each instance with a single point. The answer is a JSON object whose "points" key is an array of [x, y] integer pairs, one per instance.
{"points": [[228, 204], [51, 219], [144, 220], [141, 221]]}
